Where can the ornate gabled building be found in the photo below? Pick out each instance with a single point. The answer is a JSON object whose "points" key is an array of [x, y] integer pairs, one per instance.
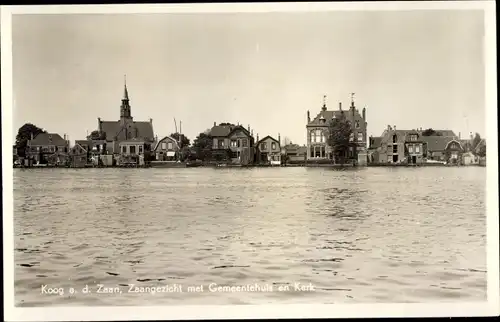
{"points": [[318, 129], [125, 136]]}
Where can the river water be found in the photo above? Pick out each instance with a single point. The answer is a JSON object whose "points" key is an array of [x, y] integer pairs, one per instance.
{"points": [[289, 235]]}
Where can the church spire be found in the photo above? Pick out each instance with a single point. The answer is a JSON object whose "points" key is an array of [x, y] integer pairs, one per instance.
{"points": [[125, 92], [125, 110], [324, 103]]}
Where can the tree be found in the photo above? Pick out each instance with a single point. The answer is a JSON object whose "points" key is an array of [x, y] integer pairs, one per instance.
{"points": [[203, 146], [96, 135], [431, 132], [339, 138], [177, 136], [24, 134], [475, 141], [482, 151]]}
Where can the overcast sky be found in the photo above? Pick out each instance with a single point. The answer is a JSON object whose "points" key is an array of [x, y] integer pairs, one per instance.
{"points": [[409, 68]]}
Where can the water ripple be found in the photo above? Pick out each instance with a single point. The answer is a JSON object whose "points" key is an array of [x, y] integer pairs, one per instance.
{"points": [[357, 235]]}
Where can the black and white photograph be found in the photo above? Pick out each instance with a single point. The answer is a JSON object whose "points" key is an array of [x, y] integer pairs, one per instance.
{"points": [[268, 160]]}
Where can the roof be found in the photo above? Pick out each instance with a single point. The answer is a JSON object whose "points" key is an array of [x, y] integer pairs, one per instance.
{"points": [[165, 138], [295, 148], [327, 115], [268, 137], [139, 129], [447, 133], [377, 142], [82, 147], [478, 146], [220, 130], [226, 130], [48, 139], [83, 143], [438, 143]]}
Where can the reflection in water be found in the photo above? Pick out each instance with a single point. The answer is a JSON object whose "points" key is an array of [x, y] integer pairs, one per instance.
{"points": [[358, 235]]}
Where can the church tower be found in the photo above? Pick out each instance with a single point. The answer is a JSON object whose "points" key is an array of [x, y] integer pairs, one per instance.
{"points": [[125, 109]]}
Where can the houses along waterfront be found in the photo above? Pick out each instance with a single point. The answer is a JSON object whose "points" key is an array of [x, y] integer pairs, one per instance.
{"points": [[127, 142]]}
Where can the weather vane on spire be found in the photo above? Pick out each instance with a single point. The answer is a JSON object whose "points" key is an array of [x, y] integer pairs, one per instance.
{"points": [[352, 97], [324, 99]]}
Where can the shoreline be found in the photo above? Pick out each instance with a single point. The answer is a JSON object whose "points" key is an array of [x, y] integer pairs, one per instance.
{"points": [[222, 165]]}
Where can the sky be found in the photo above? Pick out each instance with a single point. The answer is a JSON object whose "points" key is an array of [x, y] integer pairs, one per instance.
{"points": [[411, 69]]}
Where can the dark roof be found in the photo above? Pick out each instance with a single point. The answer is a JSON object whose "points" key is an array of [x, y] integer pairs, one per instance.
{"points": [[447, 133], [83, 143], [438, 143], [220, 130], [327, 115], [226, 130], [478, 146], [268, 137], [377, 142], [115, 129], [48, 139], [82, 147], [295, 148]]}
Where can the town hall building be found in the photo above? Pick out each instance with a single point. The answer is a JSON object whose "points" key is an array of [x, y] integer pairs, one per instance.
{"points": [[318, 131]]}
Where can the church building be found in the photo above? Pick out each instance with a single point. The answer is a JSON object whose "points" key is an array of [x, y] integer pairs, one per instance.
{"points": [[126, 136], [318, 130]]}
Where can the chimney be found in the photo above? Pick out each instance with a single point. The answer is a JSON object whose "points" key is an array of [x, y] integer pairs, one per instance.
{"points": [[340, 106], [394, 127], [257, 137], [99, 119], [459, 135], [279, 139], [364, 113], [64, 136], [251, 132], [151, 120], [308, 117], [215, 123], [388, 127], [248, 128]]}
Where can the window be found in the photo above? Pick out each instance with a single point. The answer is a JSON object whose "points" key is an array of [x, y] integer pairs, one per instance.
{"points": [[124, 149], [360, 137], [318, 132], [322, 137], [221, 143], [263, 146], [313, 136], [410, 148], [239, 143], [394, 139], [351, 137], [244, 142], [234, 155], [356, 125], [170, 145], [413, 137], [140, 149], [164, 145], [132, 149], [394, 148], [273, 146], [234, 143], [417, 148]]}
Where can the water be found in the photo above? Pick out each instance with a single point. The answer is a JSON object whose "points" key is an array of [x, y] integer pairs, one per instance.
{"points": [[368, 235]]}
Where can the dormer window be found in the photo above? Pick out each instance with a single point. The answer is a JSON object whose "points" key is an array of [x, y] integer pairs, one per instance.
{"points": [[356, 124], [322, 119]]}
